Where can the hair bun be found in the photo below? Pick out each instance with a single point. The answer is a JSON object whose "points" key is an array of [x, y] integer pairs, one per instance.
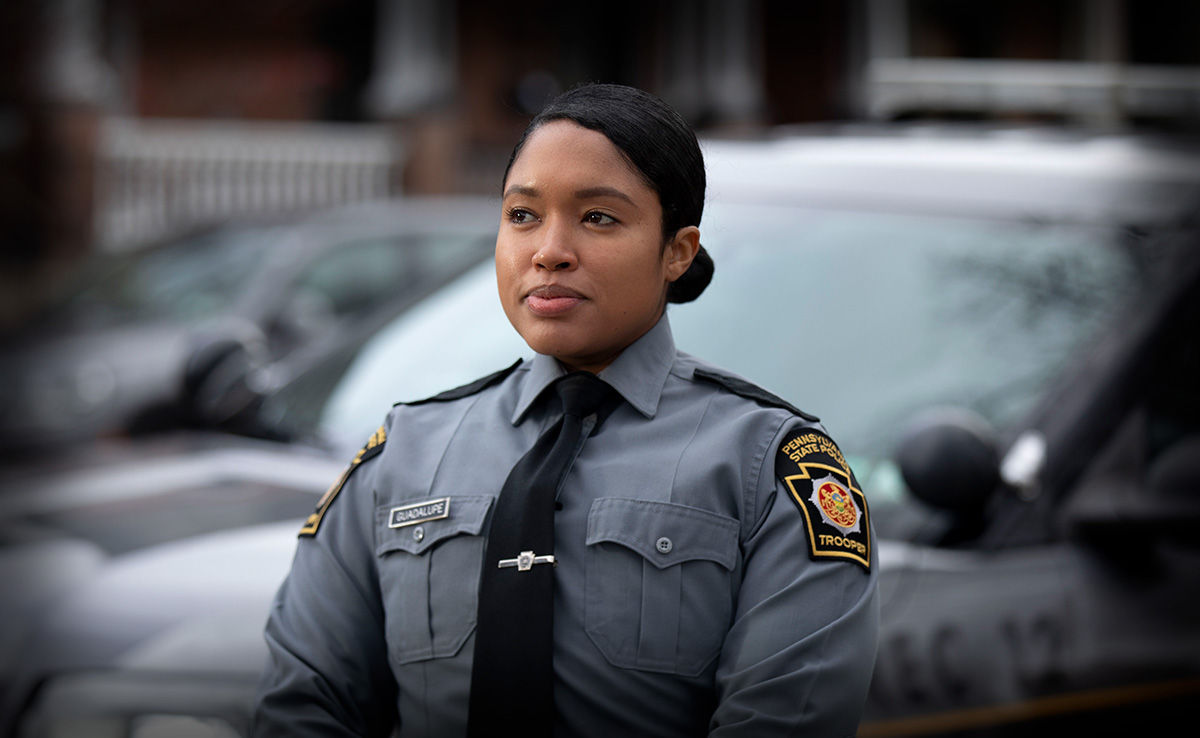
{"points": [[689, 286]]}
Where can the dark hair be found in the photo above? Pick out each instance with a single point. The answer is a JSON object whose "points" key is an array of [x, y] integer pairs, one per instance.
{"points": [[662, 149]]}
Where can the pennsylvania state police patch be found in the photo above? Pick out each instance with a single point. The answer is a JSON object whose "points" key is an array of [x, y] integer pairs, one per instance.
{"points": [[820, 482]]}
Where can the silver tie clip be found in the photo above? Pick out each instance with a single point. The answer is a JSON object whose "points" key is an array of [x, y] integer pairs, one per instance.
{"points": [[525, 561]]}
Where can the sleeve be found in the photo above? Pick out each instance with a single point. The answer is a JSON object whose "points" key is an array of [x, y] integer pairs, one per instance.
{"points": [[799, 655], [327, 672]]}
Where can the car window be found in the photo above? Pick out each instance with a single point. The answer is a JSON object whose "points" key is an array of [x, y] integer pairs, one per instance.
{"points": [[355, 277], [456, 335], [861, 318], [865, 318], [188, 279], [352, 280]]}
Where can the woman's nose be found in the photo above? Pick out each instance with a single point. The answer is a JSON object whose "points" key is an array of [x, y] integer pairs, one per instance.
{"points": [[556, 252]]}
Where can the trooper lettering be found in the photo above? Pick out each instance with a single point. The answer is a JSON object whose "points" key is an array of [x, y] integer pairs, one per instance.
{"points": [[840, 542]]}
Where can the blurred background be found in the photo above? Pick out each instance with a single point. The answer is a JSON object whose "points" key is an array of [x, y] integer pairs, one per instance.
{"points": [[124, 121], [963, 233]]}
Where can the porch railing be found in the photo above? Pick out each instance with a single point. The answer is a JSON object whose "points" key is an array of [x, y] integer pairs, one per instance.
{"points": [[156, 177]]}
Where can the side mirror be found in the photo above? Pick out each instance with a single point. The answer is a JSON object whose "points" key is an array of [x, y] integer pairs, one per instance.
{"points": [[949, 460], [221, 378]]}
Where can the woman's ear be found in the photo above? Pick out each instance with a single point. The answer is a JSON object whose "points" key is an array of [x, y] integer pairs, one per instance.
{"points": [[679, 252]]}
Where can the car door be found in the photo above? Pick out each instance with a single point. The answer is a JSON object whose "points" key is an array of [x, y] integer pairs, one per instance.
{"points": [[1076, 605]]}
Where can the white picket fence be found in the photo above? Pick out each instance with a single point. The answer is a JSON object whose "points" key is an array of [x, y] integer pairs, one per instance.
{"points": [[156, 177]]}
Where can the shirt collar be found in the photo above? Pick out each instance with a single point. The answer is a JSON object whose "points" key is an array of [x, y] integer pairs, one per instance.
{"points": [[638, 374]]}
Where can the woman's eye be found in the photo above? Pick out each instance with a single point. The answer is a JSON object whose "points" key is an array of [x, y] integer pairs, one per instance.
{"points": [[519, 216], [596, 217]]}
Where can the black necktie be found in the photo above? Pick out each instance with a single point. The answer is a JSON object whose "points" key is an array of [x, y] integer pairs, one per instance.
{"points": [[512, 680]]}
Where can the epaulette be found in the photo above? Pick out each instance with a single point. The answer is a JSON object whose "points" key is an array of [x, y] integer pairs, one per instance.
{"points": [[373, 448], [468, 389], [750, 391]]}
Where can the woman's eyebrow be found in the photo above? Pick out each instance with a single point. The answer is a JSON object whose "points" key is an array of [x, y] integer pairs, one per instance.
{"points": [[586, 193], [590, 192], [522, 190]]}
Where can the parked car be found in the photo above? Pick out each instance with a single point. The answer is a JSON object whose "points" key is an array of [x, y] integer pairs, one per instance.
{"points": [[1010, 372], [160, 337]]}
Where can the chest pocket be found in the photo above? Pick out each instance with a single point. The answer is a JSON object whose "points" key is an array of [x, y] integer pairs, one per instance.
{"points": [[429, 575], [659, 590]]}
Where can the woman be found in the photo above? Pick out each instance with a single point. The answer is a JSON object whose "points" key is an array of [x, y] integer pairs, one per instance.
{"points": [[686, 555]]}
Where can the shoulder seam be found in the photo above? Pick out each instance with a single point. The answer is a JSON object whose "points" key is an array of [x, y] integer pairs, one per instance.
{"points": [[751, 391], [764, 469], [466, 390]]}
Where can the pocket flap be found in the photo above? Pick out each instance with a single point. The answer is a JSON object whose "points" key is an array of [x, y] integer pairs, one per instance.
{"points": [[665, 533], [414, 527]]}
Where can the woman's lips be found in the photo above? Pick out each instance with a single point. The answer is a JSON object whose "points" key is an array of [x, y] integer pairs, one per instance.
{"points": [[552, 300]]}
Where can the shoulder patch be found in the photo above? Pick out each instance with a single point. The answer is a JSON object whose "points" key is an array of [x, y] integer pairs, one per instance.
{"points": [[751, 391], [468, 389], [817, 478], [371, 450]]}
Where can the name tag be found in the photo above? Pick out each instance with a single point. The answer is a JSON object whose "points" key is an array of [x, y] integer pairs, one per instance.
{"points": [[421, 512]]}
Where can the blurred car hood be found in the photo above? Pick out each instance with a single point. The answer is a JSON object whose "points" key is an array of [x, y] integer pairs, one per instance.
{"points": [[153, 613], [123, 494], [187, 628], [109, 548]]}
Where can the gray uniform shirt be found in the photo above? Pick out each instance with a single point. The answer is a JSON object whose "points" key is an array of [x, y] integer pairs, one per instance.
{"points": [[688, 600]]}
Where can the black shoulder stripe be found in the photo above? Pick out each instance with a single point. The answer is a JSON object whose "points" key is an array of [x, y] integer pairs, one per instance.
{"points": [[752, 391], [467, 389], [373, 448]]}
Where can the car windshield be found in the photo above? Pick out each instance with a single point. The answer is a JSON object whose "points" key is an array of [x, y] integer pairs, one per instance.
{"points": [[863, 319]]}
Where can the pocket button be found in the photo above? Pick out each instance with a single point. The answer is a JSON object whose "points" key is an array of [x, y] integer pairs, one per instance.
{"points": [[418, 534], [664, 545]]}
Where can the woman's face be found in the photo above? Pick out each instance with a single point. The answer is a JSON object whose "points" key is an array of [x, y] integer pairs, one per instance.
{"points": [[580, 260]]}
